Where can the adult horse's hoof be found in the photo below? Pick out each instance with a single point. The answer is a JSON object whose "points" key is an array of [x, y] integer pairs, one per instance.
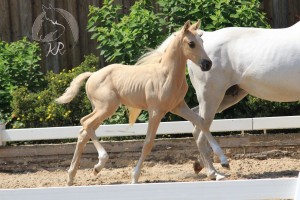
{"points": [[225, 165], [197, 167], [216, 176], [220, 177]]}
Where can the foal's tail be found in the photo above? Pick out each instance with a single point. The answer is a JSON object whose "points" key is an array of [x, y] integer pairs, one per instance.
{"points": [[73, 89]]}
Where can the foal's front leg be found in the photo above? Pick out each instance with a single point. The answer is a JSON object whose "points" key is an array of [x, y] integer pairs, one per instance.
{"points": [[184, 111], [154, 119]]}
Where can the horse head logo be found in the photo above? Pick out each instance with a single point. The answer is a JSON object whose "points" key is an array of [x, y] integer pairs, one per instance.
{"points": [[54, 29], [57, 29]]}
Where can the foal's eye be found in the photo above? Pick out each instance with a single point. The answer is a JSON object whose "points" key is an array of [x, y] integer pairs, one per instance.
{"points": [[192, 44]]}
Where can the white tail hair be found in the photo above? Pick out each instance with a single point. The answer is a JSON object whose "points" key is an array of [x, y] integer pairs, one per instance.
{"points": [[73, 89]]}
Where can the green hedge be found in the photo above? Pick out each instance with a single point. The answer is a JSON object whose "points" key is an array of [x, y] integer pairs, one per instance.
{"points": [[123, 39], [214, 14], [19, 66], [38, 109]]}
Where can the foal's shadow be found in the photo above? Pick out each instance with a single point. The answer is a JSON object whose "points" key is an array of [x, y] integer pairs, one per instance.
{"points": [[280, 174]]}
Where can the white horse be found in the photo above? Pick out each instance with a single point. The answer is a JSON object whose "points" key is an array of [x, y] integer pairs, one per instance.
{"points": [[262, 62]]}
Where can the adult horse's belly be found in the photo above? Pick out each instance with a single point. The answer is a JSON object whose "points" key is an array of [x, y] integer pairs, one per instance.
{"points": [[263, 62], [269, 67], [279, 83]]}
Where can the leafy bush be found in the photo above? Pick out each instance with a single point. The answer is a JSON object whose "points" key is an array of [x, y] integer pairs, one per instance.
{"points": [[216, 15], [255, 107], [213, 14], [38, 109], [19, 66], [124, 38]]}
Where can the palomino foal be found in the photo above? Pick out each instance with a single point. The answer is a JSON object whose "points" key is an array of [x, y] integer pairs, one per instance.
{"points": [[157, 88]]}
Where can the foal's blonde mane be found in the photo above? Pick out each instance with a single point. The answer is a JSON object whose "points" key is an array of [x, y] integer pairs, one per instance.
{"points": [[153, 56]]}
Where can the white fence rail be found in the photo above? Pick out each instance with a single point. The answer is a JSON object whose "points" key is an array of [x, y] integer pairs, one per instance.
{"points": [[286, 188], [246, 124]]}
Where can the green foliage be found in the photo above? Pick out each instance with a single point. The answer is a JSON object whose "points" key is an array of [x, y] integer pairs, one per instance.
{"points": [[38, 109], [214, 14], [19, 66], [124, 38], [255, 107]]}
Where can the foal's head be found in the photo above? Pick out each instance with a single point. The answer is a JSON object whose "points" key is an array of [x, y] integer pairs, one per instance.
{"points": [[192, 45]]}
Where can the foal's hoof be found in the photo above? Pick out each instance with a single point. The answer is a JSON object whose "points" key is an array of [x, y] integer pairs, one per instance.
{"points": [[70, 181], [97, 169], [197, 167], [225, 165], [95, 172]]}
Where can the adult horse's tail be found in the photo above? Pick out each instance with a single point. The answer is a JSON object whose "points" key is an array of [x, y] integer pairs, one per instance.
{"points": [[133, 114], [73, 89]]}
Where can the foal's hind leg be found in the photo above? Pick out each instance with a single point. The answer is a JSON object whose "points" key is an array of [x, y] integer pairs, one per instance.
{"points": [[83, 138], [102, 155], [89, 124]]}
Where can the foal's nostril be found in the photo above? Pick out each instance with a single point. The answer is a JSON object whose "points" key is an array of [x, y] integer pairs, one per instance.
{"points": [[206, 65]]}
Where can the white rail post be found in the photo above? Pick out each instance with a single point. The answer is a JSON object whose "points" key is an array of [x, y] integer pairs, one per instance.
{"points": [[243, 133], [297, 193], [2, 127]]}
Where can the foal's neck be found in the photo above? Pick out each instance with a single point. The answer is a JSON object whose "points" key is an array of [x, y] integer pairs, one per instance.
{"points": [[173, 60]]}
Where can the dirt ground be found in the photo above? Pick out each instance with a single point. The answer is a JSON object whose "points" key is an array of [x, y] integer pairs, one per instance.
{"points": [[53, 174]]}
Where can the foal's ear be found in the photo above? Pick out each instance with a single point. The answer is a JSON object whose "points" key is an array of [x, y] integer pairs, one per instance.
{"points": [[196, 25], [186, 26]]}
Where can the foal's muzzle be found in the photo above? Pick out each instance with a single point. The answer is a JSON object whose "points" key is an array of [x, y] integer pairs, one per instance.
{"points": [[205, 65]]}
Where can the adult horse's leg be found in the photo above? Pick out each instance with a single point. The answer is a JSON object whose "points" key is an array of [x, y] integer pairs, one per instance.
{"points": [[155, 117], [205, 153], [204, 149], [203, 124], [211, 88]]}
